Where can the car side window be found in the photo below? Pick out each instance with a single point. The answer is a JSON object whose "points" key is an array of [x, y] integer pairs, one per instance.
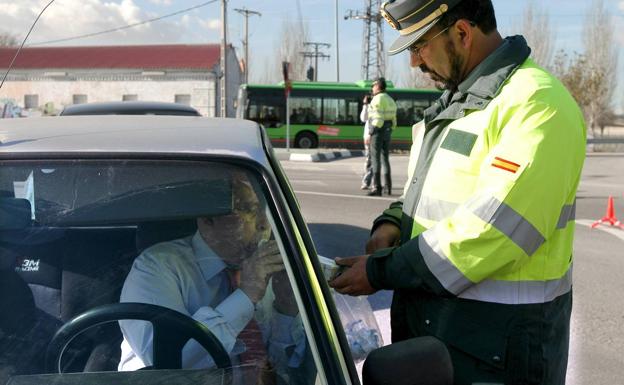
{"points": [[198, 238]]}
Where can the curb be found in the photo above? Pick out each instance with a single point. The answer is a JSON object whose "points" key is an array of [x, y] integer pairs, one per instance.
{"points": [[324, 156]]}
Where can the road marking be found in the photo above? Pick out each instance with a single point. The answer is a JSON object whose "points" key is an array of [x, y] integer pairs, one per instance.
{"points": [[606, 228], [346, 196], [308, 182], [303, 168]]}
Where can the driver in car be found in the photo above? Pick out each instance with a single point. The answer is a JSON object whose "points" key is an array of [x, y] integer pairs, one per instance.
{"points": [[229, 276]]}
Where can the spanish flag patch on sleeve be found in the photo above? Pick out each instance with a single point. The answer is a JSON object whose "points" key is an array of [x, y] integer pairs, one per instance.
{"points": [[506, 165]]}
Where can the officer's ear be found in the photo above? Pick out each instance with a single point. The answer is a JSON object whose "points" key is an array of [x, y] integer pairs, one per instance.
{"points": [[465, 30]]}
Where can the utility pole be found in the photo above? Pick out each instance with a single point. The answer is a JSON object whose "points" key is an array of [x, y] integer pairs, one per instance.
{"points": [[373, 56], [316, 54], [336, 44], [223, 63], [246, 13]]}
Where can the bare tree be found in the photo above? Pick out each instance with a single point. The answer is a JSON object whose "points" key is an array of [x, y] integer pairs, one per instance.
{"points": [[538, 33], [418, 79], [268, 74], [7, 40], [293, 35], [602, 58], [572, 71]]}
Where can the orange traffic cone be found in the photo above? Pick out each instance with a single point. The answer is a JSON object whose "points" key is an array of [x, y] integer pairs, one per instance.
{"points": [[609, 216]]}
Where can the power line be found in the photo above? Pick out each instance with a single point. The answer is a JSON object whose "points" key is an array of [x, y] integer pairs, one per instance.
{"points": [[316, 54], [24, 41], [126, 26]]}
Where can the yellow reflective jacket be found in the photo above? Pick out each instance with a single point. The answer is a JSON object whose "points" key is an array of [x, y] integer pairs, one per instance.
{"points": [[493, 217], [382, 109], [487, 222]]}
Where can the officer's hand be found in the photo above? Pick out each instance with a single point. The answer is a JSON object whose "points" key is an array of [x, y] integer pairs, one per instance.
{"points": [[353, 280], [257, 269], [385, 235]]}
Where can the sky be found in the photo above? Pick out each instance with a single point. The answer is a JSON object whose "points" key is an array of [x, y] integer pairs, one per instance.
{"points": [[68, 18]]}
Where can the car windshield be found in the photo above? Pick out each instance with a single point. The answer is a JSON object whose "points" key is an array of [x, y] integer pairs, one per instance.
{"points": [[125, 241]]}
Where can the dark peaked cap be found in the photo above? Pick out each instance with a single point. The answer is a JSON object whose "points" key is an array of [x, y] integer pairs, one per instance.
{"points": [[413, 18]]}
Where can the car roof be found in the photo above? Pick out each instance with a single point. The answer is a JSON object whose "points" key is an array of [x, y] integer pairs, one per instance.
{"points": [[130, 108], [133, 134]]}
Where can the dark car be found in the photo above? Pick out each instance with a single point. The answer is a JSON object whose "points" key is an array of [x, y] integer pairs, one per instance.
{"points": [[130, 108], [82, 199]]}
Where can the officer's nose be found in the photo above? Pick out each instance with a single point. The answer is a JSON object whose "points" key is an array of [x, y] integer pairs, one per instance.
{"points": [[415, 59]]}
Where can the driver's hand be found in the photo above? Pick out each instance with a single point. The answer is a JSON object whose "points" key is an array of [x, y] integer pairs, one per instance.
{"points": [[257, 269]]}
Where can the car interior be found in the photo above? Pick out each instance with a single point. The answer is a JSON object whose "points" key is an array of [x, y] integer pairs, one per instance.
{"points": [[69, 233]]}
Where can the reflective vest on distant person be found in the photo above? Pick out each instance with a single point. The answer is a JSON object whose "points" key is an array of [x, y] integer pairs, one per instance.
{"points": [[382, 109], [497, 208]]}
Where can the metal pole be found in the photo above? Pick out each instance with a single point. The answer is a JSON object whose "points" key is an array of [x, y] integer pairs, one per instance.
{"points": [[288, 122], [223, 80], [316, 51], [246, 51], [336, 38], [246, 13]]}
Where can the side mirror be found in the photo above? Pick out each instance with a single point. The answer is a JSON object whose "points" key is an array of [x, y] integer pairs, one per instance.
{"points": [[417, 361]]}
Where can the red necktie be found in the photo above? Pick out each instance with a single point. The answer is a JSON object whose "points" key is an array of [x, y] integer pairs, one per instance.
{"points": [[255, 353]]}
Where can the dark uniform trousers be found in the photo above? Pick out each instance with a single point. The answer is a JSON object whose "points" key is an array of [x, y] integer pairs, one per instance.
{"points": [[488, 342], [380, 154]]}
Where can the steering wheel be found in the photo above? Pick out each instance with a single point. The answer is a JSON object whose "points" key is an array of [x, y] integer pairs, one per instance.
{"points": [[171, 331]]}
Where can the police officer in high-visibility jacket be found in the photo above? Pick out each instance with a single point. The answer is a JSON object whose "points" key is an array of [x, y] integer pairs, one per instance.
{"points": [[479, 249], [381, 121]]}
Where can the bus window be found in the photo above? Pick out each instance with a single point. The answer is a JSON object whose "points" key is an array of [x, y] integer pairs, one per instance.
{"points": [[305, 110], [340, 111], [420, 105], [353, 112], [410, 111], [266, 112]]}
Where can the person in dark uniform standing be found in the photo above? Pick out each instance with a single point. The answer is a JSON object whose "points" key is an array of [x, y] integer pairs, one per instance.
{"points": [[478, 251], [381, 121]]}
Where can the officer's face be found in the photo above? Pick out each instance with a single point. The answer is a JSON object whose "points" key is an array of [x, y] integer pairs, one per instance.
{"points": [[439, 59]]}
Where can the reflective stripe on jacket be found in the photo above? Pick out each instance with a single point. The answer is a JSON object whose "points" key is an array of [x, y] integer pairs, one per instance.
{"points": [[381, 109]]}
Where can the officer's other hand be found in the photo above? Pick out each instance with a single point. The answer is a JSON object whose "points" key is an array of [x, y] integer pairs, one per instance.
{"points": [[385, 235], [353, 280], [257, 269]]}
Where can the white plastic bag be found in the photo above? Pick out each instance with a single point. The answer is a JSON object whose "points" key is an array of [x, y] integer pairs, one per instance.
{"points": [[359, 323]]}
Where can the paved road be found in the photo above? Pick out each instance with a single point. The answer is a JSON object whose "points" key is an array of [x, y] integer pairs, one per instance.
{"points": [[339, 217]]}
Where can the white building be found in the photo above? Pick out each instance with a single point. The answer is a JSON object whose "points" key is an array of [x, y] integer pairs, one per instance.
{"points": [[53, 77]]}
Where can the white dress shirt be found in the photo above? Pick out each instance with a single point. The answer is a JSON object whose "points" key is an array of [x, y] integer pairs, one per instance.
{"points": [[187, 275], [364, 119]]}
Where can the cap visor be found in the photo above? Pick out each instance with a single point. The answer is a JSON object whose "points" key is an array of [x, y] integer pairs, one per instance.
{"points": [[403, 42]]}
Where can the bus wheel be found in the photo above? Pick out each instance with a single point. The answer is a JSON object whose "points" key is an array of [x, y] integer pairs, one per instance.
{"points": [[306, 140]]}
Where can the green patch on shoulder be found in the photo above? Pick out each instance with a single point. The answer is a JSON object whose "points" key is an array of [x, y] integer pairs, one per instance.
{"points": [[458, 141]]}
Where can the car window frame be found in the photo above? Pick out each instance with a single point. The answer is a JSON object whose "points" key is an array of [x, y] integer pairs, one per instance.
{"points": [[345, 364]]}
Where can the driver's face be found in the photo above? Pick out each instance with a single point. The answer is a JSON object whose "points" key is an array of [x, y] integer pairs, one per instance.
{"points": [[239, 232]]}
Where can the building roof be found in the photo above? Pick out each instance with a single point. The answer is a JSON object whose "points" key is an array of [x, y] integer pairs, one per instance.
{"points": [[149, 135], [171, 56]]}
